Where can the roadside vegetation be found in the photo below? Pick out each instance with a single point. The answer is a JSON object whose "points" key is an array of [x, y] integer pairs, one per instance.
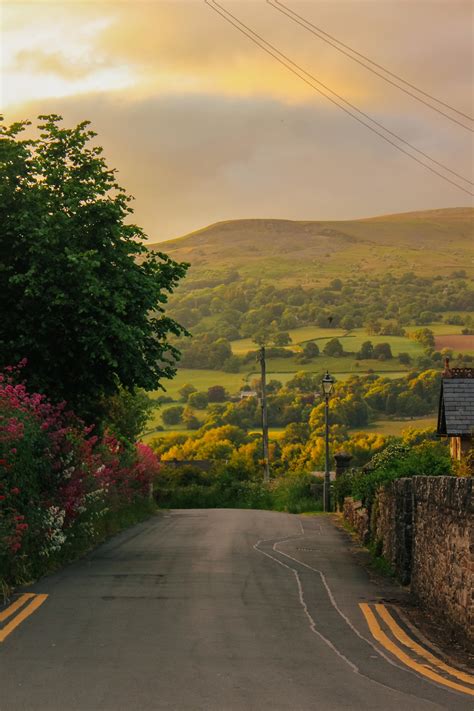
{"points": [[84, 333]]}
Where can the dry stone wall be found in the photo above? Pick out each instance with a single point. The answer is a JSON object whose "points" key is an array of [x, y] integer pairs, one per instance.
{"points": [[392, 526], [358, 518], [442, 575], [424, 527]]}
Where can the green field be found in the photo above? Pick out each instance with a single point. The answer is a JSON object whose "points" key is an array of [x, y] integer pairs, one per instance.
{"points": [[202, 380], [353, 340], [283, 369], [397, 427]]}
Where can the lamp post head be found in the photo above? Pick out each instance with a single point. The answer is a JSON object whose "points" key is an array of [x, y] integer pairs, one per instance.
{"points": [[328, 384]]}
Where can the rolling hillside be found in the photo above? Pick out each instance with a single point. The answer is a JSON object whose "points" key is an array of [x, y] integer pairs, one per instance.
{"points": [[429, 242]]}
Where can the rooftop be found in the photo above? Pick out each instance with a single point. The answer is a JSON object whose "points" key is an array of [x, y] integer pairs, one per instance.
{"points": [[456, 404]]}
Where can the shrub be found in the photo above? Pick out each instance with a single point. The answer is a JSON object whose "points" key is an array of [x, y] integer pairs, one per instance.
{"points": [[397, 461], [199, 400], [58, 481], [173, 415]]}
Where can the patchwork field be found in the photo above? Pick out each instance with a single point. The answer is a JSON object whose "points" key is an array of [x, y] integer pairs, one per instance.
{"points": [[458, 343], [283, 369]]}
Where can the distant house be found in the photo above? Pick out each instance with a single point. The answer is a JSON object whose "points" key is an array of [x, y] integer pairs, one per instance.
{"points": [[456, 410], [245, 394]]}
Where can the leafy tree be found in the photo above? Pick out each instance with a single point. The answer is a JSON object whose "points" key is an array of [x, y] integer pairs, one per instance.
{"points": [[334, 348], [198, 400], [232, 364], [81, 298], [128, 413], [404, 358], [382, 351], [425, 336], [282, 338], [311, 349], [216, 393], [304, 382], [366, 350], [173, 415], [186, 391], [189, 419]]}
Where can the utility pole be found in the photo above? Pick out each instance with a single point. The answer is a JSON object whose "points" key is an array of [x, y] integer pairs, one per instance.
{"points": [[266, 459]]}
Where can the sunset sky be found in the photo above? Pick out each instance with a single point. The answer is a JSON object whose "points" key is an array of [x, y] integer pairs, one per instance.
{"points": [[203, 126]]}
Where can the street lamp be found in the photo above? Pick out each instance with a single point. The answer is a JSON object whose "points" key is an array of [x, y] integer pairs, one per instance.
{"points": [[328, 384]]}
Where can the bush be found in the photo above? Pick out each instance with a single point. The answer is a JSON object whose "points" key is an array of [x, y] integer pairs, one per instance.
{"points": [[297, 493], [235, 485], [397, 461], [199, 400], [333, 348], [58, 481], [173, 415]]}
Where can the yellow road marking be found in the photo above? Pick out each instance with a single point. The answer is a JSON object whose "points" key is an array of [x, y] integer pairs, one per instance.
{"points": [[26, 612], [401, 635], [15, 606], [381, 637]]}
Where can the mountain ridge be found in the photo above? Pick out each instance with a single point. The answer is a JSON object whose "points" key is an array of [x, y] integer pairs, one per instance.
{"points": [[428, 242]]}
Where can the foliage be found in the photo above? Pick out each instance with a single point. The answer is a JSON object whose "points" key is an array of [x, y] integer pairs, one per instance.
{"points": [[128, 413], [79, 288], [384, 303], [235, 485], [199, 400], [399, 460], [216, 393], [425, 336], [58, 480], [186, 390], [333, 348], [173, 415]]}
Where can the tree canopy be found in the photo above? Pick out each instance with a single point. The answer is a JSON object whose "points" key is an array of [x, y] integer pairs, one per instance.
{"points": [[81, 297]]}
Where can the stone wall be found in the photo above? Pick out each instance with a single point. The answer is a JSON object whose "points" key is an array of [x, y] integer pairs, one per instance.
{"points": [[424, 527], [442, 575], [391, 526], [358, 518]]}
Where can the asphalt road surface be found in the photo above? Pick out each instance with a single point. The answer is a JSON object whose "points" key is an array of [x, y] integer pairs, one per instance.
{"points": [[219, 610]]}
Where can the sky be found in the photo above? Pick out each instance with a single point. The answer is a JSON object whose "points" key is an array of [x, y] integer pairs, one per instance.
{"points": [[203, 126]]}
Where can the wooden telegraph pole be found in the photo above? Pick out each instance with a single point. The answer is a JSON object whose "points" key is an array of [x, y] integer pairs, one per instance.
{"points": [[266, 458]]}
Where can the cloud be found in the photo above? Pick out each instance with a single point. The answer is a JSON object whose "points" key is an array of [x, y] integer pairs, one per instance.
{"points": [[191, 160], [42, 62], [204, 126]]}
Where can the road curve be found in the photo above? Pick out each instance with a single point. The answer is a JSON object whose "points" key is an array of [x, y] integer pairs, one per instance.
{"points": [[217, 610]]}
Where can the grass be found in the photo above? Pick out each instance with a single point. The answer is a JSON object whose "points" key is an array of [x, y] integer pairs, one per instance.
{"points": [[397, 427], [202, 380]]}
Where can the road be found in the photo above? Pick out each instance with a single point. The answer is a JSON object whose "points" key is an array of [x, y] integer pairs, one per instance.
{"points": [[217, 610]]}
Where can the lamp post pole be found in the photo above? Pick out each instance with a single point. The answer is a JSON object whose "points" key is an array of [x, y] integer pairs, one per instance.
{"points": [[328, 382], [327, 475]]}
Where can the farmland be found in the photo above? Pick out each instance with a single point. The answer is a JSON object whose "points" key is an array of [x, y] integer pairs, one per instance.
{"points": [[298, 286], [284, 369]]}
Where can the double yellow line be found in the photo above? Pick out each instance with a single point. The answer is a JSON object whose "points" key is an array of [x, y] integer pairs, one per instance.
{"points": [[429, 668], [25, 605]]}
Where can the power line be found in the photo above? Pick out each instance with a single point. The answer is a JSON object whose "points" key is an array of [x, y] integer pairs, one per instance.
{"points": [[341, 98], [334, 42], [273, 52]]}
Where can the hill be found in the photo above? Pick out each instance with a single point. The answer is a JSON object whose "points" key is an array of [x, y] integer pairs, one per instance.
{"points": [[313, 252]]}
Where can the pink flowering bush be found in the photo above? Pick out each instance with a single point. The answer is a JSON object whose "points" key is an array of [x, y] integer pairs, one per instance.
{"points": [[58, 480]]}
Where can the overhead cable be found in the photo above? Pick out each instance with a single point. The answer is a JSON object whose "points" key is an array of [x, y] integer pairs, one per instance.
{"points": [[299, 72], [365, 61]]}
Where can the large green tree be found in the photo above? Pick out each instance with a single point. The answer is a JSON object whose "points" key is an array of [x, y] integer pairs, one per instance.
{"points": [[81, 297]]}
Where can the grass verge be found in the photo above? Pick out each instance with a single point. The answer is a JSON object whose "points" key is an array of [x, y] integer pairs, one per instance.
{"points": [[113, 522]]}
